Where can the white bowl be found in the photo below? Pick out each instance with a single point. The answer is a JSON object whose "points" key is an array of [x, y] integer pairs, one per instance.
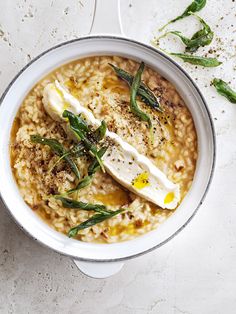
{"points": [[92, 46]]}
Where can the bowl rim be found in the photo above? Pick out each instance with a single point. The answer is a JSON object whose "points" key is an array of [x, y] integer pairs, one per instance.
{"points": [[211, 124]]}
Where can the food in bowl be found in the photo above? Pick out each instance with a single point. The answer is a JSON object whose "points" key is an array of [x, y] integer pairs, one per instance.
{"points": [[100, 155]]}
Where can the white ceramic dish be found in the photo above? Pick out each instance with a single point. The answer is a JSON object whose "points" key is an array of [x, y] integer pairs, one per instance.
{"points": [[102, 260]]}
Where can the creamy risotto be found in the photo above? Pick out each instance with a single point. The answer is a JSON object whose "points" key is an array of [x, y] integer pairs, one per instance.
{"points": [[42, 174]]}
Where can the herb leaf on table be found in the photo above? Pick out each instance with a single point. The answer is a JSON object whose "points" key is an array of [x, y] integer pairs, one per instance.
{"points": [[201, 38], [195, 6], [225, 90], [197, 60]]}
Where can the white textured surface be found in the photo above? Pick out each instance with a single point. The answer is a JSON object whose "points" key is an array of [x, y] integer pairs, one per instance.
{"points": [[195, 272]]}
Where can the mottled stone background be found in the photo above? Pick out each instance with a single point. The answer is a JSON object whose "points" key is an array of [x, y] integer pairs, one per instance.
{"points": [[195, 272]]}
